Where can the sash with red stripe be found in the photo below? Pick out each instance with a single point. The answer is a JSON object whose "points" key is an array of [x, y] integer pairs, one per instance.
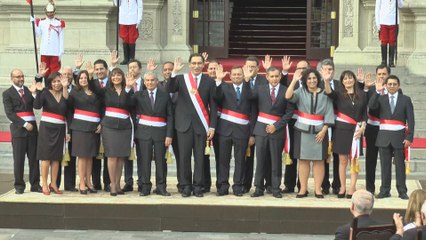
{"points": [[116, 112], [345, 118], [267, 118], [372, 120], [52, 118], [310, 119], [391, 125], [87, 116], [152, 121], [26, 116], [197, 101], [234, 117]]}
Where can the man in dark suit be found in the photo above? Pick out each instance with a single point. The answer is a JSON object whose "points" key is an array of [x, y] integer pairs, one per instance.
{"points": [[327, 71], [195, 120], [395, 113], [269, 130], [371, 131], [361, 208], [18, 106], [233, 128], [251, 69], [155, 131]]}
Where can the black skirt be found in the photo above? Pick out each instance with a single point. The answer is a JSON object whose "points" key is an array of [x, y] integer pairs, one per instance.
{"points": [[84, 144], [342, 140], [50, 141], [116, 141]]}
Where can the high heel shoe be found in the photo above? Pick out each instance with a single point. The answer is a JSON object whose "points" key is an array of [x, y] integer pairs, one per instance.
{"points": [[46, 192], [91, 190], [319, 195], [113, 194], [57, 191], [341, 195], [348, 196], [302, 195], [83, 192]]}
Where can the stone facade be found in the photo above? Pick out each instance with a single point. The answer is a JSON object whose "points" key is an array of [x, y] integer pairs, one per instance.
{"points": [[358, 35], [91, 30]]}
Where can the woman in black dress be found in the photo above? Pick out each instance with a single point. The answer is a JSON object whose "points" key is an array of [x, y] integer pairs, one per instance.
{"points": [[350, 125], [116, 125], [85, 128], [51, 137]]}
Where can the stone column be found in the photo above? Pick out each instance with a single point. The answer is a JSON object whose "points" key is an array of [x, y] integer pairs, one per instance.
{"points": [[416, 61]]}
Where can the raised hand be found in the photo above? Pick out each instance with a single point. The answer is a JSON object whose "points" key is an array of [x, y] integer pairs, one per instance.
{"points": [[267, 63], [151, 66], [248, 72], [205, 56], [39, 86], [33, 87], [78, 61], [64, 82], [220, 75], [42, 69], [379, 85], [90, 69], [130, 80], [286, 63], [326, 75], [368, 82], [297, 75], [178, 65], [360, 75], [114, 58]]}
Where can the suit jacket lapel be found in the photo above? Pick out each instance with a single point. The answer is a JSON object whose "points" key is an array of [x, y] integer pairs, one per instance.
{"points": [[278, 95]]}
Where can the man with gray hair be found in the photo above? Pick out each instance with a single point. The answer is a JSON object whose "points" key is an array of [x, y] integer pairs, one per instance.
{"points": [[361, 208]]}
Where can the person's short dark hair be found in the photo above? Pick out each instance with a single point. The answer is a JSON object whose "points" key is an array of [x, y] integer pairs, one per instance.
{"points": [[101, 61], [117, 71], [168, 62], [236, 67], [271, 69], [253, 58], [307, 63], [195, 55], [382, 66], [214, 60], [77, 79], [50, 79], [393, 77], [305, 75], [327, 62], [136, 61]]}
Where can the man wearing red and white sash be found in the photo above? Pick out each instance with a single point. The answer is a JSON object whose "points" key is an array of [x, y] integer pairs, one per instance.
{"points": [[395, 113], [195, 120], [18, 106], [233, 128], [269, 130], [51, 31]]}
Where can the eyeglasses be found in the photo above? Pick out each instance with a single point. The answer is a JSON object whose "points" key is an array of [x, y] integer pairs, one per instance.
{"points": [[392, 84], [19, 76]]}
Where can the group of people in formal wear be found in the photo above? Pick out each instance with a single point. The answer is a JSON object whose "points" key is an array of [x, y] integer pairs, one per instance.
{"points": [[307, 119]]}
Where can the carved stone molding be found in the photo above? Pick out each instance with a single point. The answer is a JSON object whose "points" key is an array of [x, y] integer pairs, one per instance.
{"points": [[374, 30], [177, 18], [146, 30], [348, 18]]}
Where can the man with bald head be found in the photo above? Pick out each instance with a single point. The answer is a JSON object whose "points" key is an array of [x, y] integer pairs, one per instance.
{"points": [[361, 208], [18, 106]]}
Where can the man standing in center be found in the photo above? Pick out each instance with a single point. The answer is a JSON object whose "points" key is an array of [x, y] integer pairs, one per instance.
{"points": [[195, 120]]}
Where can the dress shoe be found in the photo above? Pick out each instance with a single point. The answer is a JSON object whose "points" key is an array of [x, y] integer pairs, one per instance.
{"points": [[71, 189], [341, 195], [245, 189], [257, 193], [56, 191], [325, 191], [97, 187], [127, 188], [91, 190], [199, 194], [113, 194], [238, 193], [19, 191], [403, 196], [287, 190], [277, 195], [38, 189], [120, 192], [107, 188], [144, 193], [186, 193], [336, 190], [205, 190], [348, 196], [162, 192], [383, 195], [319, 195], [302, 195], [268, 190], [221, 193], [46, 193]]}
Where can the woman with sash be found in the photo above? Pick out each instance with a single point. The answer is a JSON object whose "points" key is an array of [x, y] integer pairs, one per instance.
{"points": [[314, 115], [351, 119], [52, 130], [85, 128], [116, 125]]}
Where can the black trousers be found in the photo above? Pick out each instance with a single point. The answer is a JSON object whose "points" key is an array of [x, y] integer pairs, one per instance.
{"points": [[70, 171], [25, 146], [371, 157], [225, 145], [336, 179], [386, 154], [190, 142], [96, 173], [268, 149], [147, 148], [248, 169]]}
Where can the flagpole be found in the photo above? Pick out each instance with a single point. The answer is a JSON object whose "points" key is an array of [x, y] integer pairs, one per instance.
{"points": [[118, 25], [396, 32], [34, 34]]}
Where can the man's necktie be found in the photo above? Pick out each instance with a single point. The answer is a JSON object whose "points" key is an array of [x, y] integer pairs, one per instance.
{"points": [[135, 87], [392, 103], [21, 93], [273, 95], [102, 84], [238, 94], [151, 97], [252, 83]]}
